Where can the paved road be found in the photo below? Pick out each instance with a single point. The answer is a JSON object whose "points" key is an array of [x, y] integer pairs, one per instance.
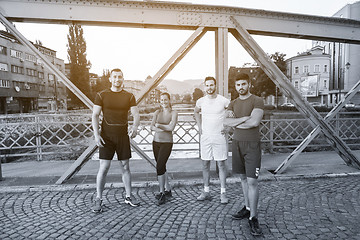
{"points": [[319, 208]]}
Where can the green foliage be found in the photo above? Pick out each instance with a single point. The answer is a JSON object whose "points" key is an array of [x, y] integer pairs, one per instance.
{"points": [[103, 83], [79, 65], [187, 98], [197, 94], [263, 86]]}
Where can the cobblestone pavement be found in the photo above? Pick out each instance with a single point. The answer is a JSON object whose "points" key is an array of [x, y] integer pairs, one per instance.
{"points": [[320, 208]]}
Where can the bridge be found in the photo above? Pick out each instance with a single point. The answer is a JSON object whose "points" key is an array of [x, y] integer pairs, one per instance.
{"points": [[240, 22]]}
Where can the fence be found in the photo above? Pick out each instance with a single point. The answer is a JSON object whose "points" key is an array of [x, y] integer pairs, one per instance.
{"points": [[65, 136], [41, 135]]}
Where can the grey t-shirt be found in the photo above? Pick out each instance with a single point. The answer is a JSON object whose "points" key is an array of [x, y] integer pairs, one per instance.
{"points": [[242, 108]]}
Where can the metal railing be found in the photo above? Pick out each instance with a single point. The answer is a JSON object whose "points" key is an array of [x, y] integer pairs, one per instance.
{"points": [[65, 136]]}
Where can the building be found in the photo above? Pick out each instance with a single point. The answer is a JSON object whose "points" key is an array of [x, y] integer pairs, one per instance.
{"points": [[153, 96], [25, 84], [310, 74], [345, 60]]}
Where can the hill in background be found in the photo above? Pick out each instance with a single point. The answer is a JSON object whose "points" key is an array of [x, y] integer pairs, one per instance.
{"points": [[182, 87]]}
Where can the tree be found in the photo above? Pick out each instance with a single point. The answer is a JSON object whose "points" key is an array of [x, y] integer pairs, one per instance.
{"points": [[187, 98], [197, 94], [176, 97], [263, 86], [79, 66], [103, 82]]}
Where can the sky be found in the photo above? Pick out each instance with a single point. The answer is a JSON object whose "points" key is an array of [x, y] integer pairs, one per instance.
{"points": [[142, 52]]}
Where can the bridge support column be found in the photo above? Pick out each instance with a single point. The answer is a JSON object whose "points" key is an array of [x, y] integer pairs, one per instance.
{"points": [[221, 61]]}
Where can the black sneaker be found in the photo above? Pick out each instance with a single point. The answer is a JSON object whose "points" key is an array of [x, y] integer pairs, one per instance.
{"points": [[243, 213], [162, 199], [167, 194], [97, 208], [254, 227], [132, 202]]}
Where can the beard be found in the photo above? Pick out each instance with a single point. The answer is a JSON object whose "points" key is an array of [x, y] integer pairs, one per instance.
{"points": [[118, 84], [243, 91], [210, 91]]}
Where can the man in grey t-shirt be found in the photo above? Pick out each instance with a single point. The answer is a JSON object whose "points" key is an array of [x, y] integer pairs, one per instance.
{"points": [[247, 111]]}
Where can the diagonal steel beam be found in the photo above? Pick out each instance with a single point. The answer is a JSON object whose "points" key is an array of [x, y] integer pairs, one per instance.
{"points": [[172, 62], [317, 130], [61, 76], [282, 82], [77, 165]]}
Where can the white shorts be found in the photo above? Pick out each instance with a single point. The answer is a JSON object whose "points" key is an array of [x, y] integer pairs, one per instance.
{"points": [[213, 147]]}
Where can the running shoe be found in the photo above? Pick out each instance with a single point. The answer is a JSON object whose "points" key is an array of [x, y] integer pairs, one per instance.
{"points": [[162, 199], [131, 201], [243, 213], [204, 196], [97, 208], [223, 198], [254, 227], [167, 194]]}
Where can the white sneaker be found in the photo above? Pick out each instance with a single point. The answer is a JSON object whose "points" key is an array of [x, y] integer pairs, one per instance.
{"points": [[204, 196]]}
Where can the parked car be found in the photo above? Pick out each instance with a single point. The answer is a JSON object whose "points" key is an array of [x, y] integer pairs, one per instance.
{"points": [[350, 105], [287, 105], [316, 104]]}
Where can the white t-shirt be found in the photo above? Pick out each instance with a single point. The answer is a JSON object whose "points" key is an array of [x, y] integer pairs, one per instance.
{"points": [[213, 113]]}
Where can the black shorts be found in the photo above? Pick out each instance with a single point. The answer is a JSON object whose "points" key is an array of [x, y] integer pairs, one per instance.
{"points": [[117, 143], [248, 154]]}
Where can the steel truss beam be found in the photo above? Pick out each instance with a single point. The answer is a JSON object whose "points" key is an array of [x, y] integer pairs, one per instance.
{"points": [[46, 62], [76, 166], [152, 14], [317, 130], [275, 74], [172, 62]]}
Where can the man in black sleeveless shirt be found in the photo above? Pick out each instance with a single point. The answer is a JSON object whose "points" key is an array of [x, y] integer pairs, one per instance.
{"points": [[114, 103]]}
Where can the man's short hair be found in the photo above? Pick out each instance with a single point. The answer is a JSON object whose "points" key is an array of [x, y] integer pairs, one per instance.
{"points": [[116, 70], [243, 76], [210, 78]]}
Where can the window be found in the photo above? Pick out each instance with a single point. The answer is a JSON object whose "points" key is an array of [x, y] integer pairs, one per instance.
{"points": [[51, 77], [16, 54], [30, 58], [325, 68], [42, 87], [4, 83], [306, 68], [58, 66], [4, 67], [17, 69], [47, 52], [31, 72], [317, 68], [296, 70], [3, 50], [41, 75], [296, 84]]}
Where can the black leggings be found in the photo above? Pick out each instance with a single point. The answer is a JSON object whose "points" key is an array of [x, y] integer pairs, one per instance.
{"points": [[162, 153]]}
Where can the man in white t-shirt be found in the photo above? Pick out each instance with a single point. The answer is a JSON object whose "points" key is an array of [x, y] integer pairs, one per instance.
{"points": [[213, 144]]}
